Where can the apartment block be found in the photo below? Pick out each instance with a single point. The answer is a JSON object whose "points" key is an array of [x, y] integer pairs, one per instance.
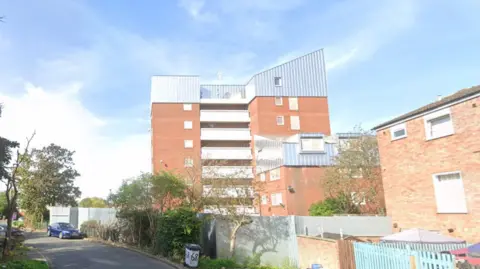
{"points": [[213, 127], [430, 160]]}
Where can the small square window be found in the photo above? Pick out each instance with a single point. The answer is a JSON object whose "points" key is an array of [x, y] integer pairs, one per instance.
{"points": [[275, 174], [188, 143], [278, 81], [187, 125], [276, 199], [262, 177], [280, 120], [358, 198], [398, 131], [187, 107], [264, 200], [188, 162], [293, 103], [295, 122], [279, 101]]}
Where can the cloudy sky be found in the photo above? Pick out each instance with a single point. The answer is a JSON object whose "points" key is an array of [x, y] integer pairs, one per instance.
{"points": [[78, 72]]}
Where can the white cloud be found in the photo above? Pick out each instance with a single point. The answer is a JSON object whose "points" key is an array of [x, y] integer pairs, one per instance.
{"points": [[59, 117], [195, 8]]}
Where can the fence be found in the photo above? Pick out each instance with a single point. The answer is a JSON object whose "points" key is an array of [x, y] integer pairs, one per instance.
{"points": [[425, 247], [369, 256]]}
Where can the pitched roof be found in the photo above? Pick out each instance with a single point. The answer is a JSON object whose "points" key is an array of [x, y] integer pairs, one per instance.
{"points": [[446, 100]]}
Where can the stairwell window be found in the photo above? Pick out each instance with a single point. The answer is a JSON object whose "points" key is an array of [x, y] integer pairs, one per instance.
{"points": [[276, 199], [188, 162], [188, 143], [187, 125], [295, 122], [449, 193], [398, 131], [278, 81], [280, 120], [438, 124], [187, 107], [293, 103], [264, 200], [275, 174], [279, 101], [262, 177]]}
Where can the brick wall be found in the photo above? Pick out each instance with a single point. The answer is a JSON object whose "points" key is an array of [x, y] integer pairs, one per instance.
{"points": [[409, 163], [312, 250]]}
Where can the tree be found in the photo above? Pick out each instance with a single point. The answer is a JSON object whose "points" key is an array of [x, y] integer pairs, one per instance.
{"points": [[93, 202], [356, 177], [48, 176], [332, 206]]}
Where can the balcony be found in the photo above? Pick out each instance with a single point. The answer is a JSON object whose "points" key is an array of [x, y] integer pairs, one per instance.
{"points": [[225, 134], [227, 172], [224, 116], [226, 153], [227, 192], [241, 210]]}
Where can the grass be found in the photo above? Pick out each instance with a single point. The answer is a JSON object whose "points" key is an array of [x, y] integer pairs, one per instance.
{"points": [[25, 264]]}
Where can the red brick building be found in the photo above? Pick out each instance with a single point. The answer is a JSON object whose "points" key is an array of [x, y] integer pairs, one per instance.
{"points": [[430, 161]]}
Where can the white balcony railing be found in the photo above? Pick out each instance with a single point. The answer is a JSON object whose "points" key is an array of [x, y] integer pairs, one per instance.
{"points": [[226, 134], [227, 172], [240, 191], [226, 153], [241, 210], [224, 116]]}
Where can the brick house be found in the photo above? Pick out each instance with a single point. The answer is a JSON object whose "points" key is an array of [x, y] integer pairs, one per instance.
{"points": [[430, 160], [292, 170]]}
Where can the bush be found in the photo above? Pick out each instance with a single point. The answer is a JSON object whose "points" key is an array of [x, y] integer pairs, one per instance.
{"points": [[25, 264], [332, 206], [207, 263], [89, 224], [175, 229], [18, 224]]}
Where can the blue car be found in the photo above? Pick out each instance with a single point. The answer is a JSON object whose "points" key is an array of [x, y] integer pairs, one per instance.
{"points": [[63, 230]]}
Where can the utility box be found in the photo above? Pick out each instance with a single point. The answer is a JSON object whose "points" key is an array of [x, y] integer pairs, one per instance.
{"points": [[192, 255]]}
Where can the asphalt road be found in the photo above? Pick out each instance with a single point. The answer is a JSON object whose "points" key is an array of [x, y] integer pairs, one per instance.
{"points": [[71, 253]]}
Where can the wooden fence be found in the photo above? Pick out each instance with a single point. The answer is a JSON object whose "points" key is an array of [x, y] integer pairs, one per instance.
{"points": [[346, 254]]}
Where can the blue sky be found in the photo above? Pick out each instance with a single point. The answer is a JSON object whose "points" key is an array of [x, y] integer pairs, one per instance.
{"points": [[78, 71]]}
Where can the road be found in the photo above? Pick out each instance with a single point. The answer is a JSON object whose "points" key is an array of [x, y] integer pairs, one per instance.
{"points": [[75, 254]]}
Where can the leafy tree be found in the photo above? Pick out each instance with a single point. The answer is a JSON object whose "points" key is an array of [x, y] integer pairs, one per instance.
{"points": [[3, 203], [356, 176], [93, 202], [332, 206], [48, 176]]}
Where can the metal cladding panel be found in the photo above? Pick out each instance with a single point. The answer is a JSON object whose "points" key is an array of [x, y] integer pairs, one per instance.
{"points": [[222, 91], [293, 157], [304, 76], [175, 89]]}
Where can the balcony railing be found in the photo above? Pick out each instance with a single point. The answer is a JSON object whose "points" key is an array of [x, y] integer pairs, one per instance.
{"points": [[227, 172], [225, 134], [227, 153], [241, 210], [235, 192], [224, 116]]}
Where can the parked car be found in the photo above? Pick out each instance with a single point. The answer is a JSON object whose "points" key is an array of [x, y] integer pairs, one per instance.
{"points": [[63, 230], [15, 231]]}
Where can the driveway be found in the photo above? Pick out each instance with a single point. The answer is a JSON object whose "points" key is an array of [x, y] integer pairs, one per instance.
{"points": [[86, 254]]}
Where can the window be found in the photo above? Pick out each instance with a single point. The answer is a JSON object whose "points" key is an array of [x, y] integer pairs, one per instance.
{"points": [[262, 177], [188, 143], [187, 107], [295, 122], [264, 200], [275, 174], [276, 198], [293, 103], [449, 193], [312, 144], [438, 124], [358, 199], [188, 162], [278, 81], [398, 131], [187, 125], [279, 101], [280, 120]]}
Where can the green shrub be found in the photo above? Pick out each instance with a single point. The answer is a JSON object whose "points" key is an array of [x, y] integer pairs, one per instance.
{"points": [[25, 264], [175, 229], [207, 263], [18, 224], [89, 224], [332, 206]]}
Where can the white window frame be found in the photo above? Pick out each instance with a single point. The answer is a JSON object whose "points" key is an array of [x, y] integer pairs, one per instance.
{"points": [[188, 144], [264, 199], [291, 123], [188, 162], [438, 195], [277, 81], [187, 107], [276, 198], [279, 101], [187, 125], [275, 176], [435, 115], [306, 141], [398, 127], [262, 177], [354, 197], [282, 120], [293, 103]]}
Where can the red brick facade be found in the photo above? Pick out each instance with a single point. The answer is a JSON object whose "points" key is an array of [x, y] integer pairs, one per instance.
{"points": [[408, 166]]}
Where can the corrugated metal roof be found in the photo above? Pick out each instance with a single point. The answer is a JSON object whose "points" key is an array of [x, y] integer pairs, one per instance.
{"points": [[175, 89], [302, 135], [303, 76], [293, 157], [222, 91]]}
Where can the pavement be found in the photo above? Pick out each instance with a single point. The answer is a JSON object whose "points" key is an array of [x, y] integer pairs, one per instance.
{"points": [[77, 253]]}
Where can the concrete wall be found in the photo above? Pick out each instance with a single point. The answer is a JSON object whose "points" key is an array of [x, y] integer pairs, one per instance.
{"points": [[77, 215], [348, 225], [313, 250]]}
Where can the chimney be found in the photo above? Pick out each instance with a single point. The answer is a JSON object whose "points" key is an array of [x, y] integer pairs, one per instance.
{"points": [[439, 97]]}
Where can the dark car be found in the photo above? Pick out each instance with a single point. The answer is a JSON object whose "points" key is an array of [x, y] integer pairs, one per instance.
{"points": [[63, 230], [15, 231]]}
